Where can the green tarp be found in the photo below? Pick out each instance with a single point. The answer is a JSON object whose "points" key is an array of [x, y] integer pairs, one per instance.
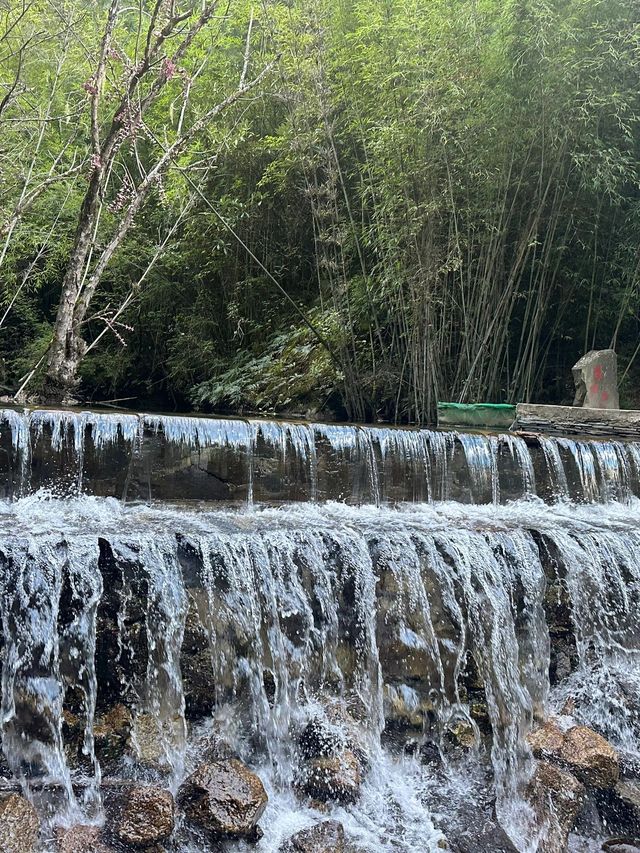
{"points": [[500, 415]]}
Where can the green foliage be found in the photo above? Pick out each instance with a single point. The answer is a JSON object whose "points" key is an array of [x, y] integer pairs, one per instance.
{"points": [[449, 195], [294, 373]]}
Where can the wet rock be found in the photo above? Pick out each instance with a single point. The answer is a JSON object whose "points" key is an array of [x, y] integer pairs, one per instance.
{"points": [[629, 792], [151, 738], [320, 737], [429, 753], [333, 778], [111, 731], [214, 747], [147, 818], [80, 839], [333, 732], [460, 734], [325, 837], [563, 659], [584, 752], [486, 836], [469, 825], [620, 808], [405, 708], [73, 736], [225, 798], [19, 825], [556, 797], [547, 740], [592, 758], [195, 658], [479, 713], [622, 845], [406, 656]]}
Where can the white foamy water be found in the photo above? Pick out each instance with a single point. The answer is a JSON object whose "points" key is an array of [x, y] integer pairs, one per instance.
{"points": [[308, 602]]}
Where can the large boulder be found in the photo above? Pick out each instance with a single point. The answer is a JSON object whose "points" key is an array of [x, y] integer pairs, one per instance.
{"points": [[148, 817], [19, 825], [333, 778], [325, 837], [581, 750], [596, 380], [225, 798], [556, 798]]}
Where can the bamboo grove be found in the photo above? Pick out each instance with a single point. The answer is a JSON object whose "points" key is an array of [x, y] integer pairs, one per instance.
{"points": [[347, 207]]}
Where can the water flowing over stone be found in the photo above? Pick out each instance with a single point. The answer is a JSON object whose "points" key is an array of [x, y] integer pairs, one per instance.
{"points": [[378, 660], [142, 457]]}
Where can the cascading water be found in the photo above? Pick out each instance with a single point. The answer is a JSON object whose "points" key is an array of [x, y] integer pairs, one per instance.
{"points": [[169, 457], [410, 606]]}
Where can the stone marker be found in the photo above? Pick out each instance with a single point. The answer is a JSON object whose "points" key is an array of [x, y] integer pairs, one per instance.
{"points": [[596, 380]]}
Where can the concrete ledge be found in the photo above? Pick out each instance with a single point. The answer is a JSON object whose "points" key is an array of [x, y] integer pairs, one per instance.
{"points": [[614, 423]]}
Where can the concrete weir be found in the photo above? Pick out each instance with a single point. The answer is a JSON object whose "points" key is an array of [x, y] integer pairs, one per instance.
{"points": [[614, 423]]}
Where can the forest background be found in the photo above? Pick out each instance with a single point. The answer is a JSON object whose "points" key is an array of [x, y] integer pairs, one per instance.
{"points": [[348, 208]]}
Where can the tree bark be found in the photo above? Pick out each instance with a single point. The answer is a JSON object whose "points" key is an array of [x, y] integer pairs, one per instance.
{"points": [[79, 285]]}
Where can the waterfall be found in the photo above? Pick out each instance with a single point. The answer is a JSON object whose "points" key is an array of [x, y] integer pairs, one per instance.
{"points": [[315, 462], [418, 600], [304, 602]]}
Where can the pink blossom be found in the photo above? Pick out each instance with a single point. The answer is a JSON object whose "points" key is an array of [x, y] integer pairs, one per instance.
{"points": [[168, 68]]}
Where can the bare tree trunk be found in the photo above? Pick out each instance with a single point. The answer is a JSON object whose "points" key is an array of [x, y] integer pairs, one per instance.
{"points": [[82, 277], [67, 348]]}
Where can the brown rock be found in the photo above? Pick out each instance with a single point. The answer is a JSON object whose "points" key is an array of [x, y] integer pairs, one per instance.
{"points": [[460, 734], [150, 738], [225, 798], [148, 816], [111, 731], [581, 750], [546, 741], [335, 777], [325, 837], [19, 825], [80, 839], [592, 758], [556, 797]]}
